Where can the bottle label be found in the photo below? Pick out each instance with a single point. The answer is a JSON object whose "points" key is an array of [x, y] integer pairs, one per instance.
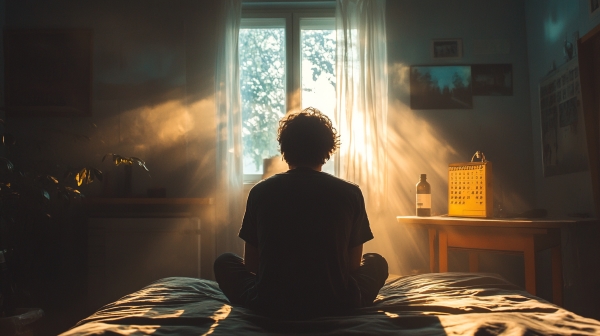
{"points": [[423, 201]]}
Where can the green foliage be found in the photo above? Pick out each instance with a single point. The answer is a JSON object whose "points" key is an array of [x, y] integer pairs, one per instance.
{"points": [[85, 175], [318, 47], [40, 214], [262, 87], [263, 64], [119, 160]]}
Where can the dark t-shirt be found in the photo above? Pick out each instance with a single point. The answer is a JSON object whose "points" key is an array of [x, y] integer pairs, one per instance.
{"points": [[303, 223]]}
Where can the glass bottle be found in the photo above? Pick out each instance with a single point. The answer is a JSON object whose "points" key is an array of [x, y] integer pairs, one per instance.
{"points": [[423, 204]]}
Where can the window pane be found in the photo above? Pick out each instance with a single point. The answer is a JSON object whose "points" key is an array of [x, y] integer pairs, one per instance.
{"points": [[262, 87], [318, 48]]}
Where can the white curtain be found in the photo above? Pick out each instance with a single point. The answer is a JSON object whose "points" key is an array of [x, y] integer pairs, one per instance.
{"points": [[229, 204], [362, 86]]}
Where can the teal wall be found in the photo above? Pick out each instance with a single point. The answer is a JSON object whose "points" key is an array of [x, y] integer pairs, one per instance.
{"points": [[549, 22], [426, 141]]}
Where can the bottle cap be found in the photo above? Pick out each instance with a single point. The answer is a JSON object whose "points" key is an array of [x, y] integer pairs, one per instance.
{"points": [[423, 176]]}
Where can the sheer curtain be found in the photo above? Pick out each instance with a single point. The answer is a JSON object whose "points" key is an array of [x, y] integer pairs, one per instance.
{"points": [[361, 108], [229, 207], [362, 86]]}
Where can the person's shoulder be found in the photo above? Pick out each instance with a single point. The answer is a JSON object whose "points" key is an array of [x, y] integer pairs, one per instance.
{"points": [[341, 183], [317, 177], [268, 182]]}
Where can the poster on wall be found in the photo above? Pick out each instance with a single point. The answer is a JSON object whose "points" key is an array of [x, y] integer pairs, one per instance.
{"points": [[440, 87], [563, 132], [492, 79]]}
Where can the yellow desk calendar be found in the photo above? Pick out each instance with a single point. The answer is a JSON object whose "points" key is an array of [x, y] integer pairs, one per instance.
{"points": [[470, 188]]}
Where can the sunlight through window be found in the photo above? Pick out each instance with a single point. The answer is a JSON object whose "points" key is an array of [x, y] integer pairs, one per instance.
{"points": [[262, 86], [318, 52], [280, 72], [219, 315]]}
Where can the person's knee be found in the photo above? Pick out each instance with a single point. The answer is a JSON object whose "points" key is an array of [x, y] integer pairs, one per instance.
{"points": [[375, 258], [378, 262], [223, 261]]}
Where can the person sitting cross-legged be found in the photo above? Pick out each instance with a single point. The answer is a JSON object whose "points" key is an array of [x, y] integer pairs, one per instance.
{"points": [[304, 232]]}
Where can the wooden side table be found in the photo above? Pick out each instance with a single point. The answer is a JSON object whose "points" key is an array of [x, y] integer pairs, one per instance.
{"points": [[147, 207], [525, 236]]}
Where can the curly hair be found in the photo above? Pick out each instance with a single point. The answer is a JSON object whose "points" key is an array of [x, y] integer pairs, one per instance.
{"points": [[307, 138]]}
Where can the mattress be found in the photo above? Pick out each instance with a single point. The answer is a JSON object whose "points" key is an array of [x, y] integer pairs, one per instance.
{"points": [[426, 304]]}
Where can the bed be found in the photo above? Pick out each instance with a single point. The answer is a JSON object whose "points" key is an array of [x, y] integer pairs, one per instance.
{"points": [[425, 304]]}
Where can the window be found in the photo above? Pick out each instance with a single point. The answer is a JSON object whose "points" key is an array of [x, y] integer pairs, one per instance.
{"points": [[286, 62]]}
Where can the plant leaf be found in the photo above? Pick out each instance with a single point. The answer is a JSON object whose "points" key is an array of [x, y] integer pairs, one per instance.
{"points": [[84, 176], [97, 173], [81, 176], [119, 160], [90, 176], [140, 162], [75, 191], [125, 160]]}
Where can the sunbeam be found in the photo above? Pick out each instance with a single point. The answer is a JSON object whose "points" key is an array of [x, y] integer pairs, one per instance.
{"points": [[219, 315]]}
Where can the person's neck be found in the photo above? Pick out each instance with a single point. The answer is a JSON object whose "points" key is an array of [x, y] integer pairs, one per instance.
{"points": [[316, 168]]}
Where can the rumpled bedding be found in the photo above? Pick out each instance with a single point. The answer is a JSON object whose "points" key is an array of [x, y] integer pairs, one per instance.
{"points": [[425, 304]]}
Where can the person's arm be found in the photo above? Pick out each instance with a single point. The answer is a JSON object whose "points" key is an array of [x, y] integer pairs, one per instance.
{"points": [[355, 254], [251, 258]]}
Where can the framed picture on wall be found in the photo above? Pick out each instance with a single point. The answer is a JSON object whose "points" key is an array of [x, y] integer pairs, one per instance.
{"points": [[492, 79], [48, 72], [446, 48], [440, 87]]}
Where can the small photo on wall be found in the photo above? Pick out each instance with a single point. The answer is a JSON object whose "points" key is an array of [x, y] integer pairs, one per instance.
{"points": [[440, 87], [446, 48], [492, 79]]}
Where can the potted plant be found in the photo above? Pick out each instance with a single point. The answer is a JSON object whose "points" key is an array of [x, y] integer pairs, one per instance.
{"points": [[40, 210]]}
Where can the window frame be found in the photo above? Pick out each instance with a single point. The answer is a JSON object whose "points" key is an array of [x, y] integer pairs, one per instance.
{"points": [[293, 83]]}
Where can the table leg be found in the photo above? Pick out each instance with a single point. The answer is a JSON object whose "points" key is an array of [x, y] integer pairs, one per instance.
{"points": [[557, 277], [529, 254], [473, 262], [443, 250], [432, 234]]}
